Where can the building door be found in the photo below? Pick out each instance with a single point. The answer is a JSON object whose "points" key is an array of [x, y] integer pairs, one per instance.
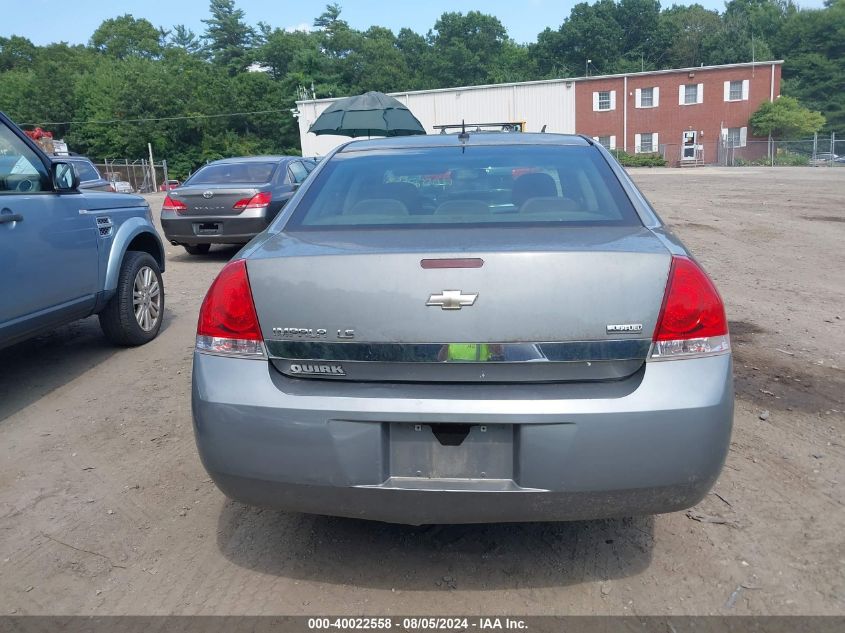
{"points": [[688, 145]]}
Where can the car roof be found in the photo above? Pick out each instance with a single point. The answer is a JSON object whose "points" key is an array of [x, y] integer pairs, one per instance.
{"points": [[76, 158], [253, 159], [475, 138]]}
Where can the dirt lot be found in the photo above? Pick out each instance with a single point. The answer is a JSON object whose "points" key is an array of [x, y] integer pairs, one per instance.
{"points": [[105, 508]]}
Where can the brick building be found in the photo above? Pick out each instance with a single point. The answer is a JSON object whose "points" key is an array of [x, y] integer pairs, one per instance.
{"points": [[681, 113]]}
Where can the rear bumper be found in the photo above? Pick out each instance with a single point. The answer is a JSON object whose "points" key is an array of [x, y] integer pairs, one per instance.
{"points": [[655, 444], [231, 229]]}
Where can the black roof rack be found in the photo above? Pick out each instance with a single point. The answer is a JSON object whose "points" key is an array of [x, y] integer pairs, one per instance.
{"points": [[504, 126]]}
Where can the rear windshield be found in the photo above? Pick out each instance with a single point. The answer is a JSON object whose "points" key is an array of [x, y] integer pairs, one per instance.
{"points": [[517, 185], [86, 171], [252, 173]]}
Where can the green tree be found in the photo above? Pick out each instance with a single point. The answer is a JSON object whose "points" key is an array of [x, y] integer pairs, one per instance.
{"points": [[16, 52], [785, 118], [125, 36], [642, 39], [336, 36], [417, 54], [376, 63], [813, 44], [687, 29], [282, 50], [548, 55], [466, 47], [591, 32], [513, 64], [183, 37], [228, 37]]}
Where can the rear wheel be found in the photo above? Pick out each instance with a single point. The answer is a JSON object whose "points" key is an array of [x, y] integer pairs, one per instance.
{"points": [[133, 315], [197, 249]]}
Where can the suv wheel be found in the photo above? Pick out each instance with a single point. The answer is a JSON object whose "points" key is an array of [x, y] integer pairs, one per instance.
{"points": [[197, 249], [133, 315]]}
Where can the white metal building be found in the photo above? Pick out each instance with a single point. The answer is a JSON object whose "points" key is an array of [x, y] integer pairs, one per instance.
{"points": [[537, 103]]}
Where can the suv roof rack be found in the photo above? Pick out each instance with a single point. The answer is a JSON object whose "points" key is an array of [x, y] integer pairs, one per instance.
{"points": [[504, 126]]}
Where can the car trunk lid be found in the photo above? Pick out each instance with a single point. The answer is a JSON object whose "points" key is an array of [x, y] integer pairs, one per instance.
{"points": [[213, 199], [537, 304]]}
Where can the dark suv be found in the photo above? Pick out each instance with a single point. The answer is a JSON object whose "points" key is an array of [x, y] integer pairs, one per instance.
{"points": [[66, 254]]}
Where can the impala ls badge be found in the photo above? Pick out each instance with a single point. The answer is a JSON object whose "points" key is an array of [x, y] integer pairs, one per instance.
{"points": [[624, 328], [451, 300], [207, 194]]}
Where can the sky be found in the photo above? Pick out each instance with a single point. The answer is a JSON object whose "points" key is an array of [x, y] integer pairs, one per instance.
{"points": [[46, 21]]}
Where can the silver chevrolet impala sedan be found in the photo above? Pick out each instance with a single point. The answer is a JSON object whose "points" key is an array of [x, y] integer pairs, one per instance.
{"points": [[460, 329]]}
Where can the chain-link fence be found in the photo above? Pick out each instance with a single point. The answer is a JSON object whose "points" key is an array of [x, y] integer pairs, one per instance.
{"points": [[139, 176], [678, 154], [818, 151]]}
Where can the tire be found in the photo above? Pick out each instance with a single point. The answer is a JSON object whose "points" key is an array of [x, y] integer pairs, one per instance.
{"points": [[197, 249], [139, 275]]}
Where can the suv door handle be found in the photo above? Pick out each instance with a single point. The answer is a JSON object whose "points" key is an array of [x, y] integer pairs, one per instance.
{"points": [[10, 217]]}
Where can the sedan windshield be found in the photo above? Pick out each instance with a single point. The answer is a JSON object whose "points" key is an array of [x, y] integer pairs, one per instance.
{"points": [[517, 185], [224, 173]]}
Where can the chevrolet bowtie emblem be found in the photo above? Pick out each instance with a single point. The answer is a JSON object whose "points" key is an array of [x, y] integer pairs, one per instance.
{"points": [[451, 300]]}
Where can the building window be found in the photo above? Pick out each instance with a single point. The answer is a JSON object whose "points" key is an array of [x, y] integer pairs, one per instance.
{"points": [[609, 141], [604, 100], [646, 143], [736, 136], [737, 90], [735, 93], [647, 97], [690, 93]]}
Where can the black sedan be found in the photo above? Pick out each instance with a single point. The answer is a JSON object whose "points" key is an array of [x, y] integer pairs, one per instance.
{"points": [[230, 201]]}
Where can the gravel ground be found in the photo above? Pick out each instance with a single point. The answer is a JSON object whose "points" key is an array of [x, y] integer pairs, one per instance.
{"points": [[105, 508]]}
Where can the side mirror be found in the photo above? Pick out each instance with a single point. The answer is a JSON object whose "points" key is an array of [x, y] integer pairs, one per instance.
{"points": [[65, 178]]}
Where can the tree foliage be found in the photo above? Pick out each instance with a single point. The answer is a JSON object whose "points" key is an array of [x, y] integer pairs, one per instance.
{"points": [[133, 69], [124, 37], [785, 118], [228, 37]]}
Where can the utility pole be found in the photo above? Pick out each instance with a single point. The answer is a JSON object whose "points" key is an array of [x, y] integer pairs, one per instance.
{"points": [[152, 167]]}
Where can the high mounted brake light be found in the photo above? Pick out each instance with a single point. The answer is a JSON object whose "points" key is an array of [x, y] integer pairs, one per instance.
{"points": [[228, 324], [692, 319]]}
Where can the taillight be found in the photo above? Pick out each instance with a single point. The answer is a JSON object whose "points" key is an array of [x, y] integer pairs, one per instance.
{"points": [[173, 205], [692, 320], [228, 323], [258, 201]]}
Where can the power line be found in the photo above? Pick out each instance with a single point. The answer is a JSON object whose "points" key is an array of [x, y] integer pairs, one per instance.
{"points": [[162, 118]]}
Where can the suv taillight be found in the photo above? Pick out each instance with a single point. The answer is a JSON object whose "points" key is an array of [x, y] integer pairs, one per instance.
{"points": [[258, 201], [228, 323], [173, 205], [692, 320]]}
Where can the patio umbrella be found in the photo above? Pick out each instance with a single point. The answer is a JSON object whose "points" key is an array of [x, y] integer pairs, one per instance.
{"points": [[370, 114]]}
